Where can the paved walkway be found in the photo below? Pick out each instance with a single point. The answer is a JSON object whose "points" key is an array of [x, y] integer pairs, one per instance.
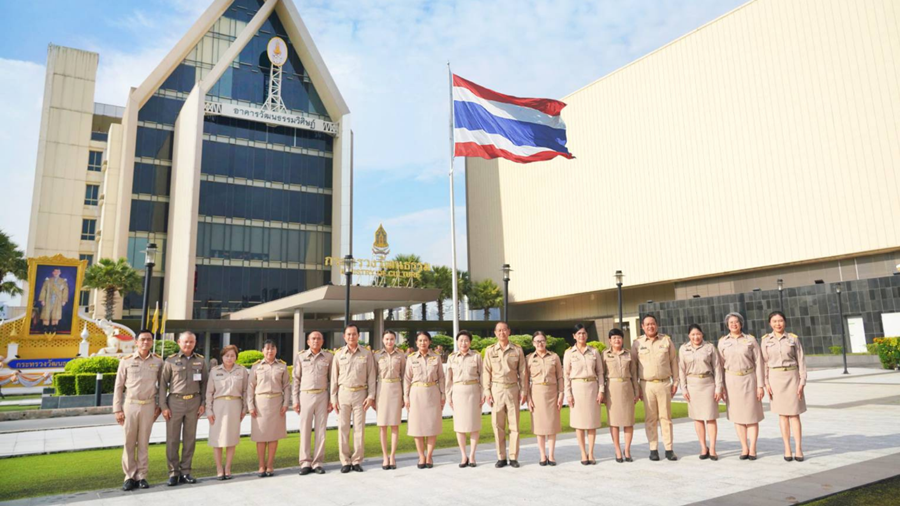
{"points": [[850, 438]]}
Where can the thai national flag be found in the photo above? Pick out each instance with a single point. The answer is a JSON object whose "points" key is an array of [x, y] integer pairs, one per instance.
{"points": [[489, 125]]}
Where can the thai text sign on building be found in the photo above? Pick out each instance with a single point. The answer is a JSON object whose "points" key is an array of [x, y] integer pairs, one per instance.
{"points": [[289, 119]]}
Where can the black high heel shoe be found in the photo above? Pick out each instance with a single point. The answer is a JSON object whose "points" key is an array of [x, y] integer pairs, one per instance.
{"points": [[744, 456], [465, 464], [420, 466], [799, 459], [542, 463], [704, 456], [620, 460]]}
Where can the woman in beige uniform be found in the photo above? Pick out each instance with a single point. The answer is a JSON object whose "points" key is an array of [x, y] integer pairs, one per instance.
{"points": [[423, 392], [744, 380], [226, 406], [545, 396], [268, 399], [390, 364], [465, 396], [785, 380], [583, 369], [700, 373], [622, 391]]}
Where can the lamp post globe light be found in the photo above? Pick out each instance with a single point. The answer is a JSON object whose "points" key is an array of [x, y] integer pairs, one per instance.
{"points": [[506, 270], [149, 262], [780, 294], [619, 277], [348, 272], [837, 289]]}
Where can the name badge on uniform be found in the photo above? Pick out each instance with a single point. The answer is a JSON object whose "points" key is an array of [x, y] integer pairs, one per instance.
{"points": [[198, 376]]}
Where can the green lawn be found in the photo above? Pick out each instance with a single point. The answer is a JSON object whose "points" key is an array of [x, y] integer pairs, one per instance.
{"points": [[18, 407], [15, 397], [882, 493], [61, 473]]}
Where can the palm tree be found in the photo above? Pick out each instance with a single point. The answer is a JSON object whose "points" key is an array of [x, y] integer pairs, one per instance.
{"points": [[485, 295], [12, 261], [111, 277]]}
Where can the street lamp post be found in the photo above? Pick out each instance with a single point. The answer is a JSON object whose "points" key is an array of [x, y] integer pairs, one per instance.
{"points": [[149, 262], [506, 271], [780, 294], [843, 334], [619, 277], [348, 271]]}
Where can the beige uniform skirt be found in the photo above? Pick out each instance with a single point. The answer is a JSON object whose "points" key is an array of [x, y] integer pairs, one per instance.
{"points": [[425, 413], [545, 417], [268, 425], [619, 400], [226, 431], [466, 408], [740, 399], [703, 405], [390, 403], [784, 393], [586, 413]]}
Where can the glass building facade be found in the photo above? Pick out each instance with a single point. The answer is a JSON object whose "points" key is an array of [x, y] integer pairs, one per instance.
{"points": [[265, 204]]}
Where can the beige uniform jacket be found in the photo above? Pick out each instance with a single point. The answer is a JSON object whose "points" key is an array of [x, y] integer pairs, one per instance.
{"points": [[741, 354], [784, 351], [389, 366], [462, 368], [353, 369], [504, 366], [546, 370], [657, 358], [423, 369], [222, 383], [137, 378], [622, 366], [703, 360], [312, 371], [269, 378], [183, 375], [578, 365]]}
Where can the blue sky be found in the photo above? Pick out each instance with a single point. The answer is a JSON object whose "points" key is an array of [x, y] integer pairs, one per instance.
{"points": [[388, 57]]}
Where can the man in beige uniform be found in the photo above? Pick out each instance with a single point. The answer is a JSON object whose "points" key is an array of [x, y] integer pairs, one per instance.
{"points": [[136, 407], [182, 397], [505, 389], [353, 379], [658, 372], [312, 373]]}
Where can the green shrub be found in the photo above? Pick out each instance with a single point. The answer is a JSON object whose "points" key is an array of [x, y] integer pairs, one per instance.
{"points": [[597, 345], [64, 383], [85, 383], [445, 341], [872, 349], [523, 340], [93, 365], [480, 343], [888, 351], [73, 365], [557, 345], [836, 350], [403, 346], [247, 358], [169, 347]]}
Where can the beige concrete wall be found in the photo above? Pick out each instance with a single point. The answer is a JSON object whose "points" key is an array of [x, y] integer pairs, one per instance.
{"points": [[63, 145], [765, 138]]}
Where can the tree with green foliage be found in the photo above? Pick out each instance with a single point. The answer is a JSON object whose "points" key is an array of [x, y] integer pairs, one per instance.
{"points": [[485, 295], [12, 261], [111, 277]]}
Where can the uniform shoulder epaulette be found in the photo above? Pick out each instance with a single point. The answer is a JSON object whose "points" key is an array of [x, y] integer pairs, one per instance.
{"points": [[750, 336], [282, 361], [258, 361], [198, 355], [791, 334], [155, 355]]}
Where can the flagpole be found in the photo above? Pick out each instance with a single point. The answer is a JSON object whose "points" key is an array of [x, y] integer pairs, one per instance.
{"points": [[455, 281]]}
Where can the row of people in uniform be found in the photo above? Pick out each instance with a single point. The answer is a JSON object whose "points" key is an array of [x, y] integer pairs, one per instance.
{"points": [[354, 379]]}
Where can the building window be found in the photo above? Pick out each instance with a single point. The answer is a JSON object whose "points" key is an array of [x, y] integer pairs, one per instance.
{"points": [[95, 160], [84, 298], [91, 194], [89, 258], [88, 230]]}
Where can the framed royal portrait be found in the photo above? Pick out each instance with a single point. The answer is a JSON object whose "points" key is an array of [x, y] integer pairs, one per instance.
{"points": [[54, 284]]}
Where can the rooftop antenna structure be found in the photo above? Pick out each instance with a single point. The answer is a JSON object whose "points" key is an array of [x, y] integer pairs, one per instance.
{"points": [[277, 51]]}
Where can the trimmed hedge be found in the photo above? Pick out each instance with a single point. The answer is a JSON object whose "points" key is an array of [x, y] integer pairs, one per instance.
{"points": [[170, 348], [64, 383], [92, 365], [888, 351], [597, 345], [85, 384], [246, 358]]}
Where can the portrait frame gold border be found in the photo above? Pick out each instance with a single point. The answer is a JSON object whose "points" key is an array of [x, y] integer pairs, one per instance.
{"points": [[60, 260]]}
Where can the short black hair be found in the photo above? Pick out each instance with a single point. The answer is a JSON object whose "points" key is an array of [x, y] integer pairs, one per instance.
{"points": [[423, 333], [464, 333], [616, 332], [501, 322], [649, 315], [777, 313], [145, 331], [311, 332], [351, 325], [389, 331], [695, 326], [578, 327], [270, 342]]}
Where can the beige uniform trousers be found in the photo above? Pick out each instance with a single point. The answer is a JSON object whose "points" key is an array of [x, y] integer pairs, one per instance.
{"points": [[138, 424], [181, 428], [351, 405], [313, 412], [658, 412], [506, 411]]}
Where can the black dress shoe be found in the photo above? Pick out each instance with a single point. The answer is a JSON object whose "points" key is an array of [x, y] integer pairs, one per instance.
{"points": [[465, 464], [593, 462], [714, 457], [542, 463], [500, 463], [129, 485], [305, 470], [472, 463], [392, 466], [629, 459], [143, 484], [789, 459], [551, 463], [269, 474], [799, 459], [420, 466], [319, 470], [358, 468], [744, 456], [228, 476], [221, 477], [670, 455], [704, 456], [429, 465], [620, 460], [346, 469], [654, 455], [186, 478], [261, 475], [751, 457], [585, 462], [514, 463], [173, 480]]}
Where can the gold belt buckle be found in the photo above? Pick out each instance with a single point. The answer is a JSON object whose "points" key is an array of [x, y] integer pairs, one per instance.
{"points": [[740, 373], [658, 381], [314, 391], [618, 380], [424, 384], [390, 380], [788, 368], [228, 398], [188, 397], [543, 384], [703, 375]]}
